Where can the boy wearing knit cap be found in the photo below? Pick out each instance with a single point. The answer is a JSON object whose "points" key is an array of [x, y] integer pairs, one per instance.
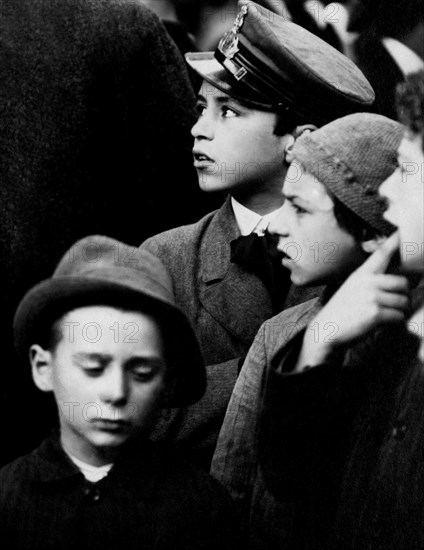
{"points": [[330, 223], [346, 432], [267, 82], [103, 335]]}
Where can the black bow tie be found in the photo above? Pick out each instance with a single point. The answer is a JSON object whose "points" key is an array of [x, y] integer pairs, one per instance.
{"points": [[260, 256]]}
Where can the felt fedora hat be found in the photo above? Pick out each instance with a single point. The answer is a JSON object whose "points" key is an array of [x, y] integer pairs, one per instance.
{"points": [[98, 270]]}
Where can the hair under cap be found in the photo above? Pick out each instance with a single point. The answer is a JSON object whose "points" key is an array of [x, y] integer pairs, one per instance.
{"points": [[352, 156]]}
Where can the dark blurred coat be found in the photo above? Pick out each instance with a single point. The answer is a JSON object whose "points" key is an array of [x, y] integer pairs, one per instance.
{"points": [[374, 20], [381, 70], [343, 443], [95, 110]]}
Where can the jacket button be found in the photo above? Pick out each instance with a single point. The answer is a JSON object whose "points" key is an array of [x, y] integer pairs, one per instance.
{"points": [[399, 432], [92, 493]]}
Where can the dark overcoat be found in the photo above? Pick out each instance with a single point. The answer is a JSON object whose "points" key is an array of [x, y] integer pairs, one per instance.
{"points": [[150, 499], [343, 443]]}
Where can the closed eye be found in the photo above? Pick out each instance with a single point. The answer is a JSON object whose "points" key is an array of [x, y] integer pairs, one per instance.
{"points": [[146, 369], [143, 375], [93, 364], [298, 209], [92, 369]]}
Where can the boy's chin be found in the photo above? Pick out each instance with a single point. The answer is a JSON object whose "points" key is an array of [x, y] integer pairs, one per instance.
{"points": [[109, 441], [300, 281]]}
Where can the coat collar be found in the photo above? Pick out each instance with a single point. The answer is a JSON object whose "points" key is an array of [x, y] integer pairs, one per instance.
{"points": [[215, 250], [49, 463], [235, 299]]}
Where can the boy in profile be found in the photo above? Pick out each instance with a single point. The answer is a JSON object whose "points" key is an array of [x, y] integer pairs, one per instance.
{"points": [[104, 335], [347, 412], [330, 224], [268, 81]]}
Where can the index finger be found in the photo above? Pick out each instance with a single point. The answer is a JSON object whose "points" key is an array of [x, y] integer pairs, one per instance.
{"points": [[380, 259]]}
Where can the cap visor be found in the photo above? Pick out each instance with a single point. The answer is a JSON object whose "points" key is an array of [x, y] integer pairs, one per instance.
{"points": [[205, 64]]}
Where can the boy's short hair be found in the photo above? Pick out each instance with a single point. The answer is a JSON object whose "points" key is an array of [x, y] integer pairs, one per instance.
{"points": [[52, 335], [286, 123], [410, 102], [349, 221]]}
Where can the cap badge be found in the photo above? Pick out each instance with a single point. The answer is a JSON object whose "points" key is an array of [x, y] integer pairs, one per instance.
{"points": [[228, 45]]}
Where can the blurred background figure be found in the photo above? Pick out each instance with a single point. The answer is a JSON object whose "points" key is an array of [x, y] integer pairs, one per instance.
{"points": [[166, 10], [208, 20], [95, 111], [320, 18], [389, 46], [384, 38]]}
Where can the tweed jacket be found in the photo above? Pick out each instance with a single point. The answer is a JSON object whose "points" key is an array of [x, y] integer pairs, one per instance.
{"points": [[226, 305], [236, 460], [150, 499]]}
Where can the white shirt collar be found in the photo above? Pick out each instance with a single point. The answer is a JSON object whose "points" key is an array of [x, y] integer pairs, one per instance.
{"points": [[90, 472], [249, 221], [406, 59]]}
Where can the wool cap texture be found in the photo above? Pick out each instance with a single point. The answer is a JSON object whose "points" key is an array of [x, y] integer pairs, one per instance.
{"points": [[352, 156]]}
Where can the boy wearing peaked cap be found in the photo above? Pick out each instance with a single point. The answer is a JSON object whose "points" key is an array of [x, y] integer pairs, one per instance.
{"points": [[267, 82], [104, 335]]}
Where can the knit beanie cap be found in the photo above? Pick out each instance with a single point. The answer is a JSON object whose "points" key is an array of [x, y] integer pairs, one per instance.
{"points": [[352, 156]]}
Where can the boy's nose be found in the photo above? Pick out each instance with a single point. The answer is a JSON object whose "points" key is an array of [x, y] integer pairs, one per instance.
{"points": [[115, 387], [278, 226], [204, 127]]}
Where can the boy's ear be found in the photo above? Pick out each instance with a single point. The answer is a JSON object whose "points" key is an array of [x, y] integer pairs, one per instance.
{"points": [[304, 128], [41, 365], [298, 131], [371, 245], [290, 140]]}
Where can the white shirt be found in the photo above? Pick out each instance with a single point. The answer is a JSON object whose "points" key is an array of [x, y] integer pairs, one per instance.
{"points": [[90, 472], [406, 59], [249, 221]]}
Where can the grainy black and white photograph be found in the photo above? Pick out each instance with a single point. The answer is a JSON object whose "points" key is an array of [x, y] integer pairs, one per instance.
{"points": [[212, 271]]}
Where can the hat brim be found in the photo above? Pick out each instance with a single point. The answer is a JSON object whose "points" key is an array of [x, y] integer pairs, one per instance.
{"points": [[206, 66], [50, 299]]}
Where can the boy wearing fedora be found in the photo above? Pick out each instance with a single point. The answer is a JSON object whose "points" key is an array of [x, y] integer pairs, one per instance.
{"points": [[103, 335], [267, 81]]}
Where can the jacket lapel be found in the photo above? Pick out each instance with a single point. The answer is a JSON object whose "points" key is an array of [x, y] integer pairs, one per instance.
{"points": [[235, 298], [298, 295]]}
